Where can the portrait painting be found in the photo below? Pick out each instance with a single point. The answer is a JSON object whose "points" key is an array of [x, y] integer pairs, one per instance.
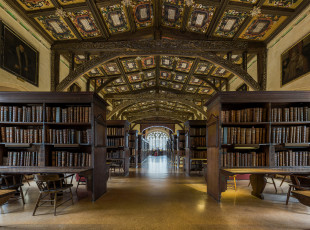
{"points": [[18, 57], [296, 61]]}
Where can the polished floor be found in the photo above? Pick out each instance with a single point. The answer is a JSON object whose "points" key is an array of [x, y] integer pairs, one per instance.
{"points": [[157, 196]]}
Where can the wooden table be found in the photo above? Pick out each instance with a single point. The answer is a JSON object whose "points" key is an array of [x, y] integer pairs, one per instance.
{"points": [[87, 171], [5, 195], [302, 196], [257, 178]]}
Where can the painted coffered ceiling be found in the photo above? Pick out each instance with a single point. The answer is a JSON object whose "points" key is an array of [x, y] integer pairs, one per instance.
{"points": [[63, 20]]}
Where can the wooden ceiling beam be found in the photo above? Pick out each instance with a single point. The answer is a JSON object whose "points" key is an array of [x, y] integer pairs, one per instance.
{"points": [[246, 21], [216, 17], [157, 72], [132, 96], [265, 9], [121, 67], [157, 13], [68, 21], [51, 11], [190, 74], [98, 18], [105, 3], [164, 46]]}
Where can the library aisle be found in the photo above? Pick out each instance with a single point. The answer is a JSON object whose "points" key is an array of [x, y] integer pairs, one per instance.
{"points": [[159, 197]]}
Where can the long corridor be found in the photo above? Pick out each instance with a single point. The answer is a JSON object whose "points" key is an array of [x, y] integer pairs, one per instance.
{"points": [[157, 196]]}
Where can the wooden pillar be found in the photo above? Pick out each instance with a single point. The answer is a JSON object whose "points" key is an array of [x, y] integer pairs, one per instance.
{"points": [[245, 60], [72, 62], [229, 54], [55, 61], [88, 85], [262, 68], [227, 85]]}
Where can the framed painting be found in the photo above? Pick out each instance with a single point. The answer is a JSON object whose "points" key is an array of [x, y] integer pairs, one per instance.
{"points": [[295, 62], [18, 57], [243, 87]]}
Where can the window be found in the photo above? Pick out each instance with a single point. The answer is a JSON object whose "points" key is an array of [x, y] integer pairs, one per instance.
{"points": [[158, 140]]}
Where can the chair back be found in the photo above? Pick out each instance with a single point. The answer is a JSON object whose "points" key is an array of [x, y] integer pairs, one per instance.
{"points": [[302, 181], [47, 182], [11, 181]]}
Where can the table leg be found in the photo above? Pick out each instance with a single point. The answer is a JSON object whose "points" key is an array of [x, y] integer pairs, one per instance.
{"points": [[258, 183]]}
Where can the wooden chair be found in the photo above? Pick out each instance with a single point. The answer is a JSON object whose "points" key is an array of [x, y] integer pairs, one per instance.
{"points": [[50, 185], [81, 179], [13, 182], [299, 183], [231, 183]]}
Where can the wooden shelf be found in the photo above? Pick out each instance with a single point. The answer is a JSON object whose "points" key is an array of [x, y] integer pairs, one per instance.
{"points": [[43, 152], [245, 123], [291, 123], [22, 123], [67, 124], [17, 145]]}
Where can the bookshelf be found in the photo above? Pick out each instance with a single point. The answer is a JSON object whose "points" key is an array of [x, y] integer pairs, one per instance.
{"points": [[180, 147], [133, 147], [143, 148], [256, 130], [195, 145], [56, 130], [118, 142]]}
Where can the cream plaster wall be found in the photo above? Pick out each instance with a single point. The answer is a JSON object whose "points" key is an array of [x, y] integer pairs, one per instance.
{"points": [[9, 80], [298, 29]]}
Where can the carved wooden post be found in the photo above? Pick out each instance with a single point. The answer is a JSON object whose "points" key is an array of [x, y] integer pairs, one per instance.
{"points": [[245, 60], [55, 59], [88, 85], [72, 62], [262, 68]]}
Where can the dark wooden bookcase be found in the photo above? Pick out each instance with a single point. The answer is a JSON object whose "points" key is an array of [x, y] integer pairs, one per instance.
{"points": [[79, 113], [118, 142], [231, 144], [133, 147], [180, 146], [143, 148], [195, 145]]}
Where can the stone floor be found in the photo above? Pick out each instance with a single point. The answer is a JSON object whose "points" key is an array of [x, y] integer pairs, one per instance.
{"points": [[159, 197]]}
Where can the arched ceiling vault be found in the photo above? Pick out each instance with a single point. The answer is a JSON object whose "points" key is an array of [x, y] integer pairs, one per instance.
{"points": [[172, 55]]}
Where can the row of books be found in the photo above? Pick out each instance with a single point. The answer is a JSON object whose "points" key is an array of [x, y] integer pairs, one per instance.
{"points": [[292, 114], [115, 131], [69, 159], [18, 135], [197, 131], [115, 154], [181, 152], [68, 136], [244, 115], [198, 142], [290, 158], [22, 158], [132, 145], [199, 154], [32, 113], [72, 114], [115, 141], [291, 134], [239, 135], [181, 145], [181, 138], [238, 159]]}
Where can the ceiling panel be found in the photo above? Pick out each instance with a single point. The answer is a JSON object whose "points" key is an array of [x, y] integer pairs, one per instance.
{"points": [[148, 62], [166, 62], [119, 81], [84, 22], [30, 5], [220, 72], [200, 18], [245, 1], [166, 75], [292, 4], [56, 27], [203, 68], [143, 13], [262, 26], [115, 18], [149, 75], [134, 78], [184, 65], [69, 2], [229, 23], [111, 68], [195, 81], [180, 77], [130, 65], [172, 13]]}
